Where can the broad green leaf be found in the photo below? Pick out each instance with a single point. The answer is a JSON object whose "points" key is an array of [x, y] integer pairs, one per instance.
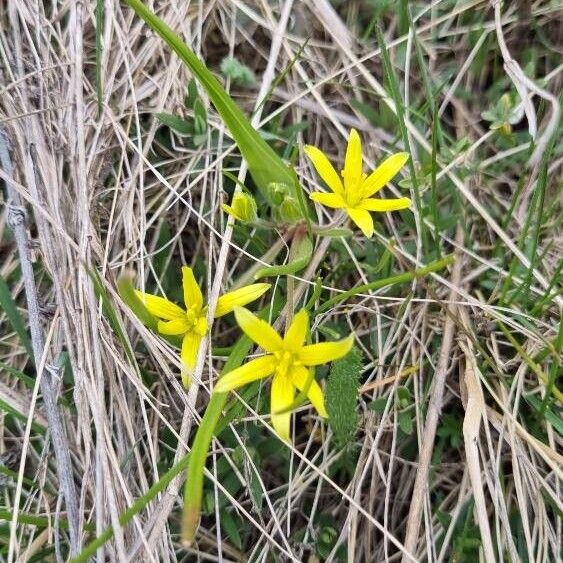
{"points": [[264, 165]]}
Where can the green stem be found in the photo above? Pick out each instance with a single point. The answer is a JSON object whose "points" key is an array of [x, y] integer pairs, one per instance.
{"points": [[398, 278]]}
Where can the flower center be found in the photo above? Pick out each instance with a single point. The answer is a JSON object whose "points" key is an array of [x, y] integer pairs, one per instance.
{"points": [[285, 360], [197, 322], [353, 191]]}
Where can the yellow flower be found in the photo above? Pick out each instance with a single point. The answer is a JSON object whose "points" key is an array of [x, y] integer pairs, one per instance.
{"points": [[191, 322], [354, 191], [289, 360]]}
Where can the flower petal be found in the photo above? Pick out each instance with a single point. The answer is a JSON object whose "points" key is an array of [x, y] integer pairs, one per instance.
{"points": [[282, 395], [227, 302], [193, 297], [324, 352], [305, 381], [251, 371], [297, 331], [352, 172], [258, 330], [330, 200], [372, 204], [160, 307], [190, 347], [174, 327], [363, 219], [384, 173], [325, 169]]}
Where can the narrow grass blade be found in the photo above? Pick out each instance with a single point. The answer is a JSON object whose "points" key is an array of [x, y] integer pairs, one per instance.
{"points": [[8, 305], [393, 83]]}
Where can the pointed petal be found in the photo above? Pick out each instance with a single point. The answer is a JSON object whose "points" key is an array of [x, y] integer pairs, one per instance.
{"points": [[173, 327], [330, 200], [372, 204], [325, 169], [258, 330], [297, 331], [352, 172], [227, 302], [363, 219], [251, 371], [384, 173], [324, 352], [305, 381], [190, 347], [160, 307], [282, 395], [193, 297]]}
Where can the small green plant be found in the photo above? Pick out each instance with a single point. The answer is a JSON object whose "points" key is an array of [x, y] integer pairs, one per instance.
{"points": [[239, 73]]}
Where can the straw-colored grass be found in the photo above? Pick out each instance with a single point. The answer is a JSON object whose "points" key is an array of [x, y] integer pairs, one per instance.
{"points": [[457, 454]]}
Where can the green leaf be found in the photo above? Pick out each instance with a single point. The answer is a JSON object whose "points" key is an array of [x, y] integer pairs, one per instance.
{"points": [[238, 72], [550, 417], [378, 405], [341, 397], [176, 123], [8, 408], [264, 165], [405, 422], [230, 526], [9, 306]]}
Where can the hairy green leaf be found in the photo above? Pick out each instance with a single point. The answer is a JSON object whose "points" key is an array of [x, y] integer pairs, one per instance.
{"points": [[341, 397]]}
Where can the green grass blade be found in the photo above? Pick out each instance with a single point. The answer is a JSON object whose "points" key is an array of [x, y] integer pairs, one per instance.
{"points": [[393, 83], [9, 306]]}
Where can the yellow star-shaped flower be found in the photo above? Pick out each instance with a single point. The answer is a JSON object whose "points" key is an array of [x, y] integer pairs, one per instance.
{"points": [[191, 322], [354, 191], [290, 362]]}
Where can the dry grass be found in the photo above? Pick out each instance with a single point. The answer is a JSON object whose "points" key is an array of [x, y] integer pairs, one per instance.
{"points": [[102, 188]]}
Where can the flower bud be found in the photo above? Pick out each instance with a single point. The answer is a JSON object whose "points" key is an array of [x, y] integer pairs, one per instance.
{"points": [[243, 207], [289, 210]]}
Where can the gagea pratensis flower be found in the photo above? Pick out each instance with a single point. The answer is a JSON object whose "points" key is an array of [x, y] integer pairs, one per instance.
{"points": [[290, 362], [191, 322], [353, 190]]}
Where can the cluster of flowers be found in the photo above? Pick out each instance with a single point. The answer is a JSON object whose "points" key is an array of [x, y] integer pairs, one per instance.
{"points": [[287, 358]]}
